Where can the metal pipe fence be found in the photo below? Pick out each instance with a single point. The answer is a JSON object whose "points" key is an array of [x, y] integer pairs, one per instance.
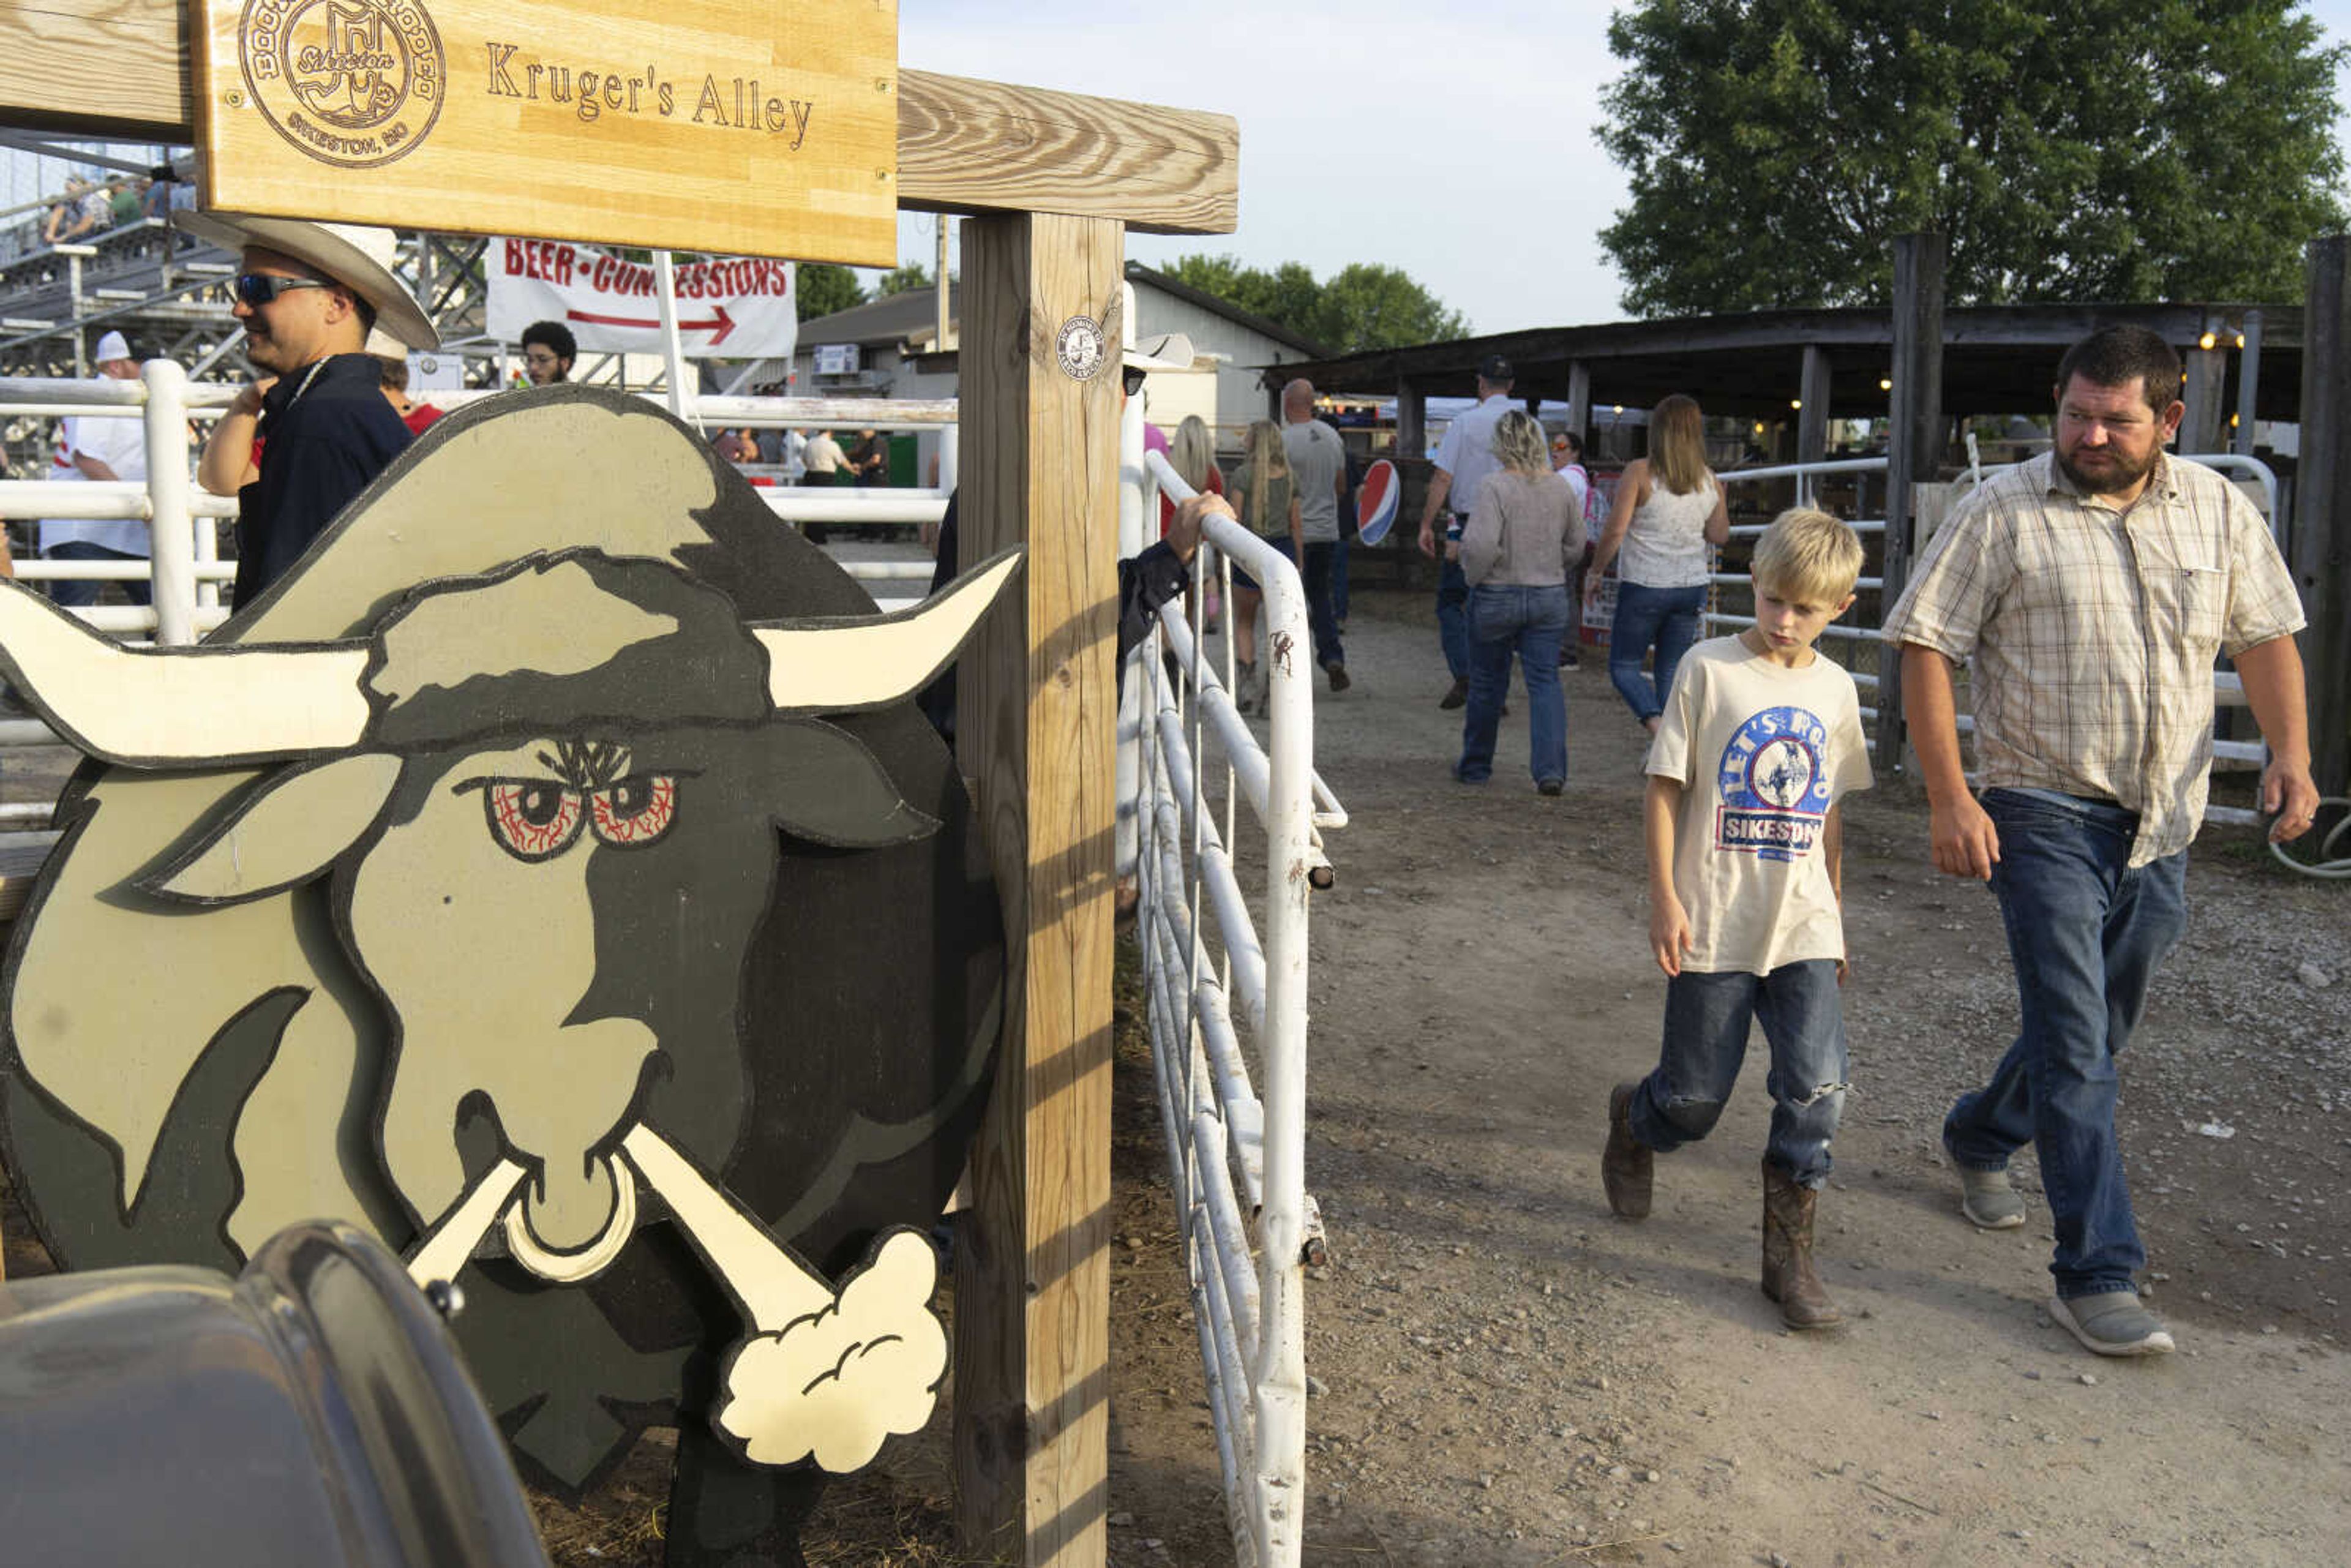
{"points": [[186, 571], [2227, 690], [1236, 1153]]}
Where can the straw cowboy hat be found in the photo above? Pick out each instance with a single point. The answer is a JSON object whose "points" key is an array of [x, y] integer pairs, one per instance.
{"points": [[1163, 351], [359, 258]]}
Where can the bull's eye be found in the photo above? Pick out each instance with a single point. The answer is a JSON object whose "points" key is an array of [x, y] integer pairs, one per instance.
{"points": [[633, 812], [532, 819]]}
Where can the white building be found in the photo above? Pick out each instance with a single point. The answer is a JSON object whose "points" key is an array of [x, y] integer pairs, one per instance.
{"points": [[887, 348]]}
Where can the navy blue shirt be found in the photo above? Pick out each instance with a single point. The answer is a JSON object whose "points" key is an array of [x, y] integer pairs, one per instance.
{"points": [[325, 435]]}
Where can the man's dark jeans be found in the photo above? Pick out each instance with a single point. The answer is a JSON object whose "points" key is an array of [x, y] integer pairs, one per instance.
{"points": [[1314, 573], [2085, 931], [77, 593], [1453, 617]]}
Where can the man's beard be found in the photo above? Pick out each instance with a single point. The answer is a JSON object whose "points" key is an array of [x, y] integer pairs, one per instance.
{"points": [[2113, 480]]}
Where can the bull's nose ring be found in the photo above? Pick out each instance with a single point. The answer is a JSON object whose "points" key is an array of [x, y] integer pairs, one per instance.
{"points": [[585, 1262]]}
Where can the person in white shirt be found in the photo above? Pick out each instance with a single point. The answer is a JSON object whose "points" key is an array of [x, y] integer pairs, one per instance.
{"points": [[1463, 460], [1567, 462], [103, 448]]}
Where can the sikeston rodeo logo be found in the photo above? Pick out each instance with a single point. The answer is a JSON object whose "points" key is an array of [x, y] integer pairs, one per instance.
{"points": [[1774, 793], [551, 875], [354, 83]]}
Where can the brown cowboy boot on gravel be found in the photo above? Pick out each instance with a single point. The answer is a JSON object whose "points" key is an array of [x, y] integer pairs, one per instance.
{"points": [[1627, 1167], [1788, 1277]]}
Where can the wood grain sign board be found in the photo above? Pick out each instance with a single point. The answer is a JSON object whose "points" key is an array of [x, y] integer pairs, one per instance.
{"points": [[743, 126]]}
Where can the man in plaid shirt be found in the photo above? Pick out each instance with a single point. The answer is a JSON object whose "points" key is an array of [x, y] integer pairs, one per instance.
{"points": [[2093, 588]]}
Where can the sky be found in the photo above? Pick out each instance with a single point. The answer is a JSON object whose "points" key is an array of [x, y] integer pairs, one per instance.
{"points": [[1455, 141]]}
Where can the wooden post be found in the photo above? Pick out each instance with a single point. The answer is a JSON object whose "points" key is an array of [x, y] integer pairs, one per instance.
{"points": [[1035, 728], [2249, 383], [1579, 404], [1913, 451], [1813, 419], [2321, 543], [1412, 420], [2207, 385]]}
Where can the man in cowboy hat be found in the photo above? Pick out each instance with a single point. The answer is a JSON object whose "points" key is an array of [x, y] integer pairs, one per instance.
{"points": [[307, 297]]}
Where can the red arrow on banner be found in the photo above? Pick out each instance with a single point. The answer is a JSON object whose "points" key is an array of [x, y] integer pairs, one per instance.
{"points": [[718, 327]]}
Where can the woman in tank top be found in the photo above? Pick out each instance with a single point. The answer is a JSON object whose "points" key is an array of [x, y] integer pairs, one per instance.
{"points": [[1668, 512]]}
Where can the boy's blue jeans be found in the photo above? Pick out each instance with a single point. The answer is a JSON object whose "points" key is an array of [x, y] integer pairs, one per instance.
{"points": [[1707, 1021], [2086, 932]]}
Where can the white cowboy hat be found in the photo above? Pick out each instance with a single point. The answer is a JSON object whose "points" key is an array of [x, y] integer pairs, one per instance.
{"points": [[359, 258], [1165, 351]]}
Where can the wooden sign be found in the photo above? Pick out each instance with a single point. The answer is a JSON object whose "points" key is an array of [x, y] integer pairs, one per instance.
{"points": [[574, 900], [746, 127]]}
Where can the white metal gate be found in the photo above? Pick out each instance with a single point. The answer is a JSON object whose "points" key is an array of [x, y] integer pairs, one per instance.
{"points": [[1235, 1142]]}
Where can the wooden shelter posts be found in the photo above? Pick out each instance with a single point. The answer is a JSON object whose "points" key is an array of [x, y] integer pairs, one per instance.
{"points": [[1578, 400], [1813, 394], [2321, 544], [2205, 392], [1915, 444], [1997, 359], [1055, 179]]}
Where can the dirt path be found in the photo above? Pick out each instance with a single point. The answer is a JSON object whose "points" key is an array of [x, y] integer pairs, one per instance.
{"points": [[1514, 1376]]}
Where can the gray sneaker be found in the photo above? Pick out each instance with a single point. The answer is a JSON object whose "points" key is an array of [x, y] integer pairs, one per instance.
{"points": [[1985, 1196], [1989, 1201], [2112, 1323]]}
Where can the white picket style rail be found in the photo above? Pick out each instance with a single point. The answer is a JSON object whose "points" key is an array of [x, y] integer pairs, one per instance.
{"points": [[1235, 1151]]}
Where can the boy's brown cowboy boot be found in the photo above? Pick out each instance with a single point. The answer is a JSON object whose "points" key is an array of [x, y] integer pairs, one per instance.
{"points": [[1627, 1167], [1788, 1277]]}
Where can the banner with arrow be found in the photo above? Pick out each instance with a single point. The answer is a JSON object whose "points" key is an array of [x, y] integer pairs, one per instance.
{"points": [[727, 308]]}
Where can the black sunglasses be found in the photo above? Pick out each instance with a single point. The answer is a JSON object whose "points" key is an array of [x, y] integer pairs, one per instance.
{"points": [[259, 288]]}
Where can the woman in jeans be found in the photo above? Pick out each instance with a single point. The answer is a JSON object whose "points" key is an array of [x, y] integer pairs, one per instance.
{"points": [[1524, 537], [1669, 510]]}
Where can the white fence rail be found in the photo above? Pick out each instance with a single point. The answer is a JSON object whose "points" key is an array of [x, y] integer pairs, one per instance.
{"points": [[186, 571], [2228, 691], [1235, 1150]]}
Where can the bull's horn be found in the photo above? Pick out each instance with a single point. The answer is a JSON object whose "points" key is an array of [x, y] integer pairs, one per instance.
{"points": [[171, 708], [836, 664]]}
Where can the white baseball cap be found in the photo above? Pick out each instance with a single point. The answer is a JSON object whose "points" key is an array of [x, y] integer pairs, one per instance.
{"points": [[113, 346]]}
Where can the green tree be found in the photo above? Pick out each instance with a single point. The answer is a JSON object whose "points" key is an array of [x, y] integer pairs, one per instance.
{"points": [[1368, 306], [903, 278], [2122, 149], [825, 289], [1364, 305]]}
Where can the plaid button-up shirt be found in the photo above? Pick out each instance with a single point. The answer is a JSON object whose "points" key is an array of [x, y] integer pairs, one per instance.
{"points": [[2094, 631]]}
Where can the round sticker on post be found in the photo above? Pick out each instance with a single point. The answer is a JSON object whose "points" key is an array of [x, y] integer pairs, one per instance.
{"points": [[1079, 347]]}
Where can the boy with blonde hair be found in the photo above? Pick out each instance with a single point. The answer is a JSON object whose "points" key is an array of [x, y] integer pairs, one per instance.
{"points": [[1759, 740]]}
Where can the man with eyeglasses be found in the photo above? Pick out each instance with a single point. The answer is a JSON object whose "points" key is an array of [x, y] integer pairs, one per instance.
{"points": [[548, 350], [307, 297]]}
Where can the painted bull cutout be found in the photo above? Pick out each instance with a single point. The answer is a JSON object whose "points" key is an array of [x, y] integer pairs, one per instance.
{"points": [[549, 874]]}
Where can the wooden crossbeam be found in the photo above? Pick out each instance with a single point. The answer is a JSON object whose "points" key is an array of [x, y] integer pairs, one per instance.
{"points": [[118, 70]]}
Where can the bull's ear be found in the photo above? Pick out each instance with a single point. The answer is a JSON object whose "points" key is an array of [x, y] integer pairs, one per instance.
{"points": [[287, 831], [828, 789]]}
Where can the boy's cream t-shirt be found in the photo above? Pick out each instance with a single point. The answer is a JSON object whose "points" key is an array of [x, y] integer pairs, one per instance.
{"points": [[1762, 752]]}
